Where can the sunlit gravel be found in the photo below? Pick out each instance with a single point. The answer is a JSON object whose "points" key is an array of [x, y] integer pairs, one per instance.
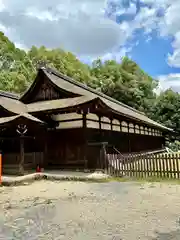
{"points": [[87, 211]]}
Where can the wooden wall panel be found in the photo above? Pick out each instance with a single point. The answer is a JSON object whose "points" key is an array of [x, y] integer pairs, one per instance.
{"points": [[67, 116], [146, 131], [105, 123], [116, 125], [92, 124], [70, 124], [131, 128], [142, 130], [137, 129], [124, 126], [106, 126], [91, 116]]}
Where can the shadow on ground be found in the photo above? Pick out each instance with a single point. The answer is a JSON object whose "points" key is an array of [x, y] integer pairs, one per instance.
{"points": [[173, 235]]}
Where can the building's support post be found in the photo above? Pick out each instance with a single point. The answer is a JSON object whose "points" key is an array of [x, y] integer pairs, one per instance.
{"points": [[45, 157], [104, 158], [85, 140], [129, 140], [21, 163], [111, 132], [99, 123], [21, 130]]}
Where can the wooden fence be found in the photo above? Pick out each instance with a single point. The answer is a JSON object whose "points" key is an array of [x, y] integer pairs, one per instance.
{"points": [[144, 165]]}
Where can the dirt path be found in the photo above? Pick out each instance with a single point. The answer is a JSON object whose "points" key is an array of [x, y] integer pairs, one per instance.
{"points": [[79, 211]]}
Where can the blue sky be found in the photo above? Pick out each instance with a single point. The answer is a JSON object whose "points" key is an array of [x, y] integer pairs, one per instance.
{"points": [[151, 54], [148, 31], [150, 51]]}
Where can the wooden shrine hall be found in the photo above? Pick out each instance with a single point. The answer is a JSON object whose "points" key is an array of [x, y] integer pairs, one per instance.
{"points": [[59, 122]]}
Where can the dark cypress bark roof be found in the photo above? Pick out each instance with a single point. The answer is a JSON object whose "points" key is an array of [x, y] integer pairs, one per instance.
{"points": [[5, 120], [13, 105], [57, 104], [71, 85]]}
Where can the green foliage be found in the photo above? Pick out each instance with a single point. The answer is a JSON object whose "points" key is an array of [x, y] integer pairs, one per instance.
{"points": [[125, 82], [15, 67], [174, 146], [166, 109], [13, 81], [64, 62], [18, 68]]}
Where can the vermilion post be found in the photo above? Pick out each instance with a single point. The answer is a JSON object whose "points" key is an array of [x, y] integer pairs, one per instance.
{"points": [[0, 168]]}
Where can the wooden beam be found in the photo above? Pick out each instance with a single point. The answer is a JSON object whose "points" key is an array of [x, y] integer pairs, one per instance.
{"points": [[17, 138], [97, 143], [92, 124], [70, 124], [67, 116]]}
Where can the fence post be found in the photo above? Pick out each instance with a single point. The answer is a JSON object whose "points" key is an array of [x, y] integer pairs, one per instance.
{"points": [[173, 166], [177, 165], [167, 165], [163, 165]]}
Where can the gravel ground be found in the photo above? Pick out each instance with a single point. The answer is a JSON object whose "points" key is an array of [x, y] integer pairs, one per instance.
{"points": [[87, 211]]}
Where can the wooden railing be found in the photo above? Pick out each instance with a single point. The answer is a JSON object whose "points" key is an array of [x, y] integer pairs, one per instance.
{"points": [[144, 165]]}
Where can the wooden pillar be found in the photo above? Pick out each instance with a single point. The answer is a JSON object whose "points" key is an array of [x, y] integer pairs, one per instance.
{"points": [[129, 140], [111, 132], [21, 163], [85, 140], [45, 155], [21, 130], [100, 130], [104, 156]]}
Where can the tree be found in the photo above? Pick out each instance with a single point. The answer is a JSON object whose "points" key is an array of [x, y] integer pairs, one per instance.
{"points": [[15, 67], [166, 109], [64, 62], [13, 82], [125, 82]]}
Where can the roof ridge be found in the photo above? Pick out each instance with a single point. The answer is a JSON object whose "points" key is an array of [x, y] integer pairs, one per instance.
{"points": [[79, 84]]}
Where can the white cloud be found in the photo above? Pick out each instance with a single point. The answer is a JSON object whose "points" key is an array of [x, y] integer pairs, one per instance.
{"points": [[2, 6], [174, 59], [80, 26], [162, 16], [75, 25], [169, 25], [117, 54], [169, 81]]}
